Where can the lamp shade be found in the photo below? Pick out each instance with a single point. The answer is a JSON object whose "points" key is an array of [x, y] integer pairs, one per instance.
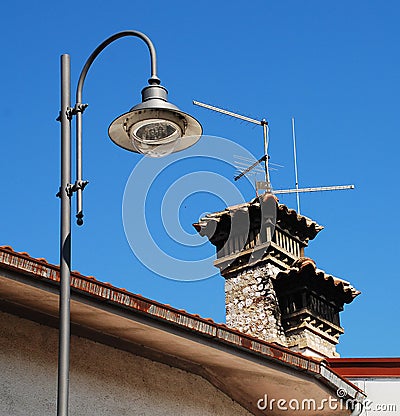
{"points": [[155, 127]]}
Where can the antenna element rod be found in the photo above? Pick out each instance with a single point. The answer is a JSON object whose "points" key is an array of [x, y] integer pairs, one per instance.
{"points": [[250, 168], [295, 166]]}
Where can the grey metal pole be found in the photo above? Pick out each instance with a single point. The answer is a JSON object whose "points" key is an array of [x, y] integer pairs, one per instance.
{"points": [[65, 240], [66, 191]]}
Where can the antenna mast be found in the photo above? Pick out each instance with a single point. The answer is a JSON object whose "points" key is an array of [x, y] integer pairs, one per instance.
{"points": [[266, 161]]}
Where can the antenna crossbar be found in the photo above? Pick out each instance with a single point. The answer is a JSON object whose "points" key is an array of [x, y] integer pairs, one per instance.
{"points": [[230, 113], [316, 189]]}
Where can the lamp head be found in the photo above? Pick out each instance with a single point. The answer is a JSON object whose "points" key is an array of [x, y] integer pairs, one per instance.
{"points": [[155, 127]]}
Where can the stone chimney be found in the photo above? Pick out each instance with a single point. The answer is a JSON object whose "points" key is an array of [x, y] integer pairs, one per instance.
{"points": [[272, 291]]}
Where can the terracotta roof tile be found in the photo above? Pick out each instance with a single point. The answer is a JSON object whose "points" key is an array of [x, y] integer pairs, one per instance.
{"points": [[304, 264], [312, 227], [42, 259]]}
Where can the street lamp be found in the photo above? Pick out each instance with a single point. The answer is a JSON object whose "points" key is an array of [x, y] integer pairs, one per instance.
{"points": [[154, 127]]}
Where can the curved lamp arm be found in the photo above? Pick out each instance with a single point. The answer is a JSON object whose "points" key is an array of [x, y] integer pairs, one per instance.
{"points": [[153, 79], [79, 107]]}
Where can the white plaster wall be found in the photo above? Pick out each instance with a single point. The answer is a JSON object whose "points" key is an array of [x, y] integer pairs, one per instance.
{"points": [[383, 395], [104, 381]]}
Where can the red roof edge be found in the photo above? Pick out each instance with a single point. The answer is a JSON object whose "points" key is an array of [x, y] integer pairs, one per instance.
{"points": [[366, 367]]}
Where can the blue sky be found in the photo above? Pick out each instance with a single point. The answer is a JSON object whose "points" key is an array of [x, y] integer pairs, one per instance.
{"points": [[334, 66]]}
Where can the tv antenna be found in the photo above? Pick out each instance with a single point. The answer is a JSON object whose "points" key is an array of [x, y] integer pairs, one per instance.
{"points": [[266, 186], [264, 123]]}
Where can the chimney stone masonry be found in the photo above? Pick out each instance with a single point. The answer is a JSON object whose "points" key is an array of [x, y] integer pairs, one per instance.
{"points": [[252, 306]]}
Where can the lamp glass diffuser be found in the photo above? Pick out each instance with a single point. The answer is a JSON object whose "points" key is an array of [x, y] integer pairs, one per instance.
{"points": [[155, 137], [152, 131], [155, 132]]}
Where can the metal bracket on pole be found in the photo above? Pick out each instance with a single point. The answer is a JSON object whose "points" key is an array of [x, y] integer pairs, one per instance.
{"points": [[68, 191], [69, 112], [79, 185], [79, 108], [71, 188], [72, 111]]}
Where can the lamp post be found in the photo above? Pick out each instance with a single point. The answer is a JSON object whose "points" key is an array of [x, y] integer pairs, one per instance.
{"points": [[154, 127]]}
